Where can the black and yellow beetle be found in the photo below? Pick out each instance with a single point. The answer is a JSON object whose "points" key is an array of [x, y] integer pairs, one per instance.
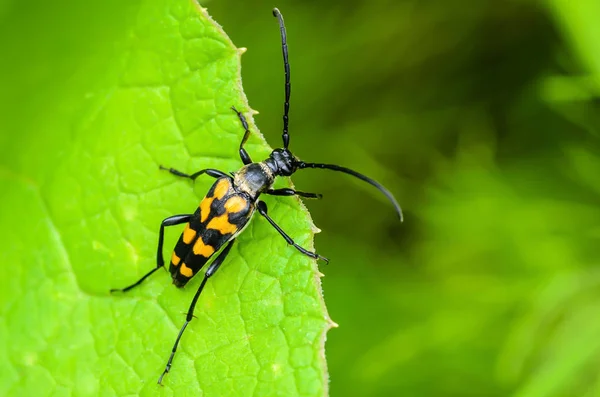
{"points": [[231, 202]]}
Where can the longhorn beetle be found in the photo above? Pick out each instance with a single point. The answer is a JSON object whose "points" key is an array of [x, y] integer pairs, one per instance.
{"points": [[231, 202]]}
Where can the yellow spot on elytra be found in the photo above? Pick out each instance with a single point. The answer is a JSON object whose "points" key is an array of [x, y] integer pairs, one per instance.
{"points": [[221, 224], [202, 249], [175, 259], [205, 208], [186, 271], [188, 234], [222, 188], [235, 204]]}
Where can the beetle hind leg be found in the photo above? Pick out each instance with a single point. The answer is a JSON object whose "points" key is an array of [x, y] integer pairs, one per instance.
{"points": [[212, 269]]}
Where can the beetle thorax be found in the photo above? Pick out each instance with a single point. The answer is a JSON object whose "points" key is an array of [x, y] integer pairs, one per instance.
{"points": [[254, 179]]}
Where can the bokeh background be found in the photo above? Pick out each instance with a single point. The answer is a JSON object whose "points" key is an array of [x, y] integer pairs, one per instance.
{"points": [[482, 117]]}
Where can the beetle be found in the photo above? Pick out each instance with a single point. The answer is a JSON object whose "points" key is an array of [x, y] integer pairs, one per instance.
{"points": [[229, 205]]}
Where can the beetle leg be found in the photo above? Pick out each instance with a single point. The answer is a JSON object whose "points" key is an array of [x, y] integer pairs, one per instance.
{"points": [[160, 262], [190, 314], [243, 153], [291, 192], [208, 171], [262, 209]]}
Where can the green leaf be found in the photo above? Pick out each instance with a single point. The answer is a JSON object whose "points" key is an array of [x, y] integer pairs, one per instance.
{"points": [[97, 96]]}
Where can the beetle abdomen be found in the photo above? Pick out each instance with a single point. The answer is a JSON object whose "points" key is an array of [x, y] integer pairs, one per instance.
{"points": [[219, 217]]}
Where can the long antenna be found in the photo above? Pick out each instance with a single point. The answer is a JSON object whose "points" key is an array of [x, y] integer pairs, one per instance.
{"points": [[288, 87], [360, 176]]}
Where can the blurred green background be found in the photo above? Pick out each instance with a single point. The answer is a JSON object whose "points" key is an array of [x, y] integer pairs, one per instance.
{"points": [[482, 117]]}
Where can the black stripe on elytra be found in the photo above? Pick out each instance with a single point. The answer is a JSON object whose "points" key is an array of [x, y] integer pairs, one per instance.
{"points": [[241, 217], [212, 236]]}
